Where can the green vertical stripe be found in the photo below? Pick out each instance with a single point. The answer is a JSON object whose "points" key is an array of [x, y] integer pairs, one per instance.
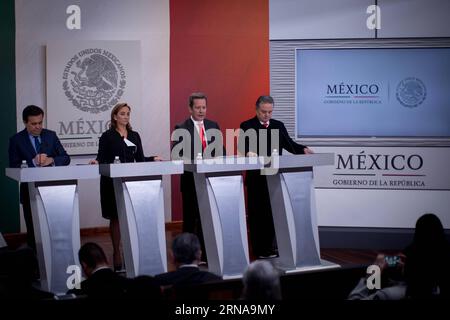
{"points": [[9, 191]]}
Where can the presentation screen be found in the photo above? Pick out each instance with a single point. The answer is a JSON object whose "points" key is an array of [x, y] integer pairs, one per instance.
{"points": [[373, 92]]}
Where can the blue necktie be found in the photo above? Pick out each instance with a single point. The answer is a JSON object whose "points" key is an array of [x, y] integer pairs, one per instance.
{"points": [[37, 144]]}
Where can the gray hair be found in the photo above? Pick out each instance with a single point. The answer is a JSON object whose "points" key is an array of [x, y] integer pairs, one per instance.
{"points": [[264, 99], [261, 282]]}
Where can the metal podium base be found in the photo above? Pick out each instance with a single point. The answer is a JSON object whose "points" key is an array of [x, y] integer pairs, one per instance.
{"points": [[237, 276], [325, 265]]}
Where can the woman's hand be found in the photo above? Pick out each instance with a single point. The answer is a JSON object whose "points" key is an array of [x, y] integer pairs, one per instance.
{"points": [[93, 161]]}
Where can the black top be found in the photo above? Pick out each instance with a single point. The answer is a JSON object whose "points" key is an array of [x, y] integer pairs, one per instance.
{"points": [[112, 144]]}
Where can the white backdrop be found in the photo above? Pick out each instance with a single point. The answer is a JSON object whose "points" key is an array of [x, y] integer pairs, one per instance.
{"points": [[383, 205], [85, 80], [147, 21], [346, 19]]}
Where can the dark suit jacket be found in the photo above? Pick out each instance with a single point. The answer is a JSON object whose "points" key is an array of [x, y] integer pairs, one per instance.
{"points": [[285, 142], [254, 178], [103, 283], [185, 276], [195, 146], [20, 148], [260, 222]]}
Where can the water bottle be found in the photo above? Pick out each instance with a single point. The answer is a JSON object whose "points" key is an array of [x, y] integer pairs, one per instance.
{"points": [[275, 153], [24, 164], [199, 156], [116, 159]]}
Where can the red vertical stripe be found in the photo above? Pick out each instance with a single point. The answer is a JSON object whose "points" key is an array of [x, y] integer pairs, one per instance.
{"points": [[221, 48]]}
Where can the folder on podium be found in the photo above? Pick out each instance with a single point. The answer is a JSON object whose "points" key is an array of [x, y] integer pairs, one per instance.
{"points": [[140, 205], [55, 214]]}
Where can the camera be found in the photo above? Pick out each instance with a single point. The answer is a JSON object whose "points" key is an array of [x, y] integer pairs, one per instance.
{"points": [[392, 261]]}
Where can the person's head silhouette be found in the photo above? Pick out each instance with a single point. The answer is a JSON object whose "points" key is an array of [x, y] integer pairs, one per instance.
{"points": [[428, 260]]}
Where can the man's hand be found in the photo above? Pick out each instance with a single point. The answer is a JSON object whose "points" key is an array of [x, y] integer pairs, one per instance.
{"points": [[380, 261], [308, 151], [93, 161], [251, 154], [42, 160], [157, 158]]}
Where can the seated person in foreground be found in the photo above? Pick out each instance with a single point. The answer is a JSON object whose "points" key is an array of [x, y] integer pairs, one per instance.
{"points": [[261, 282], [102, 281], [424, 273], [391, 285], [186, 254], [18, 273]]}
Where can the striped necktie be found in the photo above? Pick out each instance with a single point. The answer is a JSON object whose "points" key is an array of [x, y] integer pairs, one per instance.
{"points": [[37, 144]]}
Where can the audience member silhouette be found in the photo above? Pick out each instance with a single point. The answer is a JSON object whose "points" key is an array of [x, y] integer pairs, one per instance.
{"points": [[425, 270], [102, 281], [261, 282], [427, 264], [186, 255], [392, 284], [18, 273]]}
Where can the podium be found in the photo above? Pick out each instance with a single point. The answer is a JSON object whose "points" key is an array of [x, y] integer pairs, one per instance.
{"points": [[220, 193], [55, 214], [292, 200], [140, 205]]}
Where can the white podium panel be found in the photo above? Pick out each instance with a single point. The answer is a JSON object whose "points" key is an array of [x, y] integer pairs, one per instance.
{"points": [[55, 214], [294, 211], [140, 204], [220, 193]]}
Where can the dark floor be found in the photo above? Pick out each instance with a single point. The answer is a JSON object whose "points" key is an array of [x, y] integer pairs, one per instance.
{"points": [[343, 257], [339, 282]]}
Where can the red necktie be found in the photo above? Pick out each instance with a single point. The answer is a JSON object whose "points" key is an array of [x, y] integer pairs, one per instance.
{"points": [[202, 135], [265, 124]]}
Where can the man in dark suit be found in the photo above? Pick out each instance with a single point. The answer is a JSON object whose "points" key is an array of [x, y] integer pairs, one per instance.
{"points": [[196, 135], [186, 255], [102, 282], [262, 233], [39, 148]]}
